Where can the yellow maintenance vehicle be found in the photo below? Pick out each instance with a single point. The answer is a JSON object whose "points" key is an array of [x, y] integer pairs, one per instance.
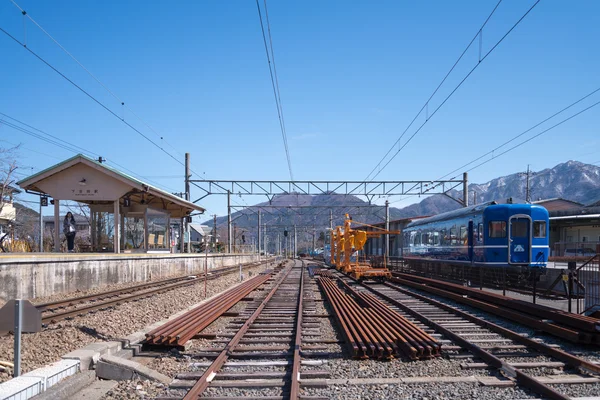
{"points": [[345, 242]]}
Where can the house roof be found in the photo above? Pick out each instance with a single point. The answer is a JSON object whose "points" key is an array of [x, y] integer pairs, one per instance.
{"points": [[558, 204], [139, 189], [201, 229]]}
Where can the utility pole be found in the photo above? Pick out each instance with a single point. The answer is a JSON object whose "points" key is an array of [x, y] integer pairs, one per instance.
{"points": [[314, 241], [41, 226], [278, 244], [259, 236], [465, 189], [387, 228], [474, 197], [331, 219], [295, 243], [214, 238], [528, 174], [265, 237], [228, 221], [235, 237]]}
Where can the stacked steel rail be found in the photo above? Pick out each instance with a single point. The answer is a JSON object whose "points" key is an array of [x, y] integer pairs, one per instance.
{"points": [[119, 296], [178, 331], [572, 327], [232, 347], [372, 329]]}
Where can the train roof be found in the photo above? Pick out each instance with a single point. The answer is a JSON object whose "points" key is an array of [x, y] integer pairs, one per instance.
{"points": [[461, 212]]}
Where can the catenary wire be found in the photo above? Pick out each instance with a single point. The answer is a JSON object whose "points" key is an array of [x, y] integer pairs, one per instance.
{"points": [[451, 93], [90, 96], [436, 89], [122, 102], [534, 136], [66, 145], [275, 90]]}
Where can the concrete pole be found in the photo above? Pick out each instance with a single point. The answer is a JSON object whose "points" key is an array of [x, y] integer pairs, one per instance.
{"points": [[387, 228], [57, 226], [465, 189], [295, 243], [278, 244], [41, 227], [259, 237], [117, 229], [314, 241], [187, 197], [228, 221], [331, 219]]}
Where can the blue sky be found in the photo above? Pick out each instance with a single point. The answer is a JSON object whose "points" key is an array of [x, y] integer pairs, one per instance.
{"points": [[352, 76]]}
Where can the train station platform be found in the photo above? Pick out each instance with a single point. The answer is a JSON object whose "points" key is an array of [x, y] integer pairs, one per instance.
{"points": [[32, 275]]}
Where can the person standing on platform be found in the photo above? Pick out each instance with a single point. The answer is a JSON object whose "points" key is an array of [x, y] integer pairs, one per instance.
{"points": [[69, 229]]}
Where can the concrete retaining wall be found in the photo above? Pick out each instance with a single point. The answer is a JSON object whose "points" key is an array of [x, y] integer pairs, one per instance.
{"points": [[45, 275]]}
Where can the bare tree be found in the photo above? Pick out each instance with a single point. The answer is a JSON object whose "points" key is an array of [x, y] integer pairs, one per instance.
{"points": [[8, 165]]}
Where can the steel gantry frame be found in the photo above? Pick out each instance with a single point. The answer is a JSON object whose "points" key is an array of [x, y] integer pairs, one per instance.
{"points": [[344, 188], [370, 189]]}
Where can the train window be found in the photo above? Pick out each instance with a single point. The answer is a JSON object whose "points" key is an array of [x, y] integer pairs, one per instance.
{"points": [[480, 232], [443, 237], [436, 238], [518, 228], [539, 229], [497, 229], [453, 239], [417, 239], [463, 235]]}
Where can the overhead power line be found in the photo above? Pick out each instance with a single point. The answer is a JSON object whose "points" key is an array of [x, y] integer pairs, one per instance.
{"points": [[122, 102], [275, 82], [521, 134], [426, 105], [90, 96], [56, 141], [556, 125]]}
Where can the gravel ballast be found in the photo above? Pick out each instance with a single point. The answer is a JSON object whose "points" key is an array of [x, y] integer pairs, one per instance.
{"points": [[45, 347]]}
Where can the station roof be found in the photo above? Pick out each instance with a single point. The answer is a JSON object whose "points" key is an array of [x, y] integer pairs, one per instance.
{"points": [[85, 180]]}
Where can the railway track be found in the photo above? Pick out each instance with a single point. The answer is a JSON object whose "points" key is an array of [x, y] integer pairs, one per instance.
{"points": [[518, 359], [53, 312], [259, 354]]}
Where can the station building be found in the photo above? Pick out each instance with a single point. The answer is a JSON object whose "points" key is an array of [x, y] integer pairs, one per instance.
{"points": [[574, 228], [126, 214]]}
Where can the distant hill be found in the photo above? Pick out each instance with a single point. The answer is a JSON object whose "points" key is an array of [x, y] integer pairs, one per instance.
{"points": [[571, 180]]}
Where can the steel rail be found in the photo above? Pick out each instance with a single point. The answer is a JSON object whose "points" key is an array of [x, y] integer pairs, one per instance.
{"points": [[383, 332], [409, 333], [46, 319], [181, 329], [116, 292], [549, 327], [561, 355], [208, 375], [510, 371], [54, 317], [295, 383], [582, 322]]}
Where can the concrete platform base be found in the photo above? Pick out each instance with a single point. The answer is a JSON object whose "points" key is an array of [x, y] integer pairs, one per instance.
{"points": [[120, 369]]}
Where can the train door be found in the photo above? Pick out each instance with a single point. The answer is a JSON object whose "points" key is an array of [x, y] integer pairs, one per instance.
{"points": [[470, 241], [519, 237]]}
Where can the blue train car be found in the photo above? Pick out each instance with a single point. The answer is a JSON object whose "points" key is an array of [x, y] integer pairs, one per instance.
{"points": [[485, 235]]}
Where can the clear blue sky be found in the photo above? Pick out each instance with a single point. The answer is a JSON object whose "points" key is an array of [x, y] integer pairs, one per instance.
{"points": [[352, 76]]}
